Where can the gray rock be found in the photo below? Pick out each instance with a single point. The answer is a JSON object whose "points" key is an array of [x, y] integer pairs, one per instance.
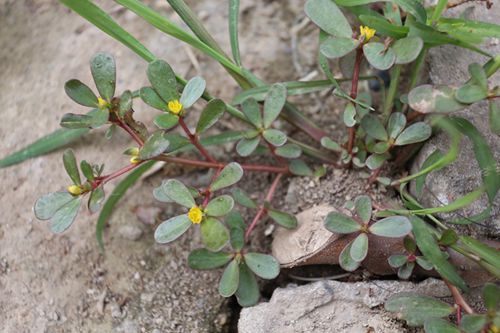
{"points": [[331, 306], [448, 65]]}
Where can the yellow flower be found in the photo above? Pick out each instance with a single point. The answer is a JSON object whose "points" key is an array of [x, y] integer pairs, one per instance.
{"points": [[367, 33], [75, 190], [175, 106], [135, 159], [195, 214], [103, 104]]}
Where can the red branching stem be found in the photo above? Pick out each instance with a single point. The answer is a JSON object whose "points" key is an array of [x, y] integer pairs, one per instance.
{"points": [[194, 140], [459, 300], [354, 95], [262, 209], [104, 179], [272, 149], [216, 165], [131, 132]]}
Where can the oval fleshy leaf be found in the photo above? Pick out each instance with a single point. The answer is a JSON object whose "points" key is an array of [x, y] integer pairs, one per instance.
{"points": [[65, 216], [69, 161], [396, 124], [263, 265], [246, 147], [417, 309], [192, 91], [47, 205], [285, 220], [126, 101], [300, 168], [341, 224], [289, 150], [422, 262], [230, 175], [275, 137], [470, 93], [349, 115], [346, 261], [404, 272], [248, 290], [214, 234], [80, 93], [162, 78], [374, 127], [251, 110], [220, 206], [392, 226], [103, 69], [179, 193], [274, 103], [375, 161], [160, 194], [204, 259], [417, 132], [327, 15], [230, 279], [378, 56], [359, 248], [166, 120], [210, 115], [172, 229], [155, 145], [330, 144], [363, 207], [96, 200], [337, 47], [407, 49], [234, 222], [151, 98], [397, 260], [242, 198], [429, 99], [437, 325]]}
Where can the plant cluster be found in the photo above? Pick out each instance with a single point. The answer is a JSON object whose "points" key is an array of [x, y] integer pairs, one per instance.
{"points": [[388, 35]]}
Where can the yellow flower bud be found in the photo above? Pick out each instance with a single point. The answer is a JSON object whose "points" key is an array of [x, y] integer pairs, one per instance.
{"points": [[175, 106], [195, 214], [135, 160], [367, 33], [103, 104], [75, 190], [134, 151]]}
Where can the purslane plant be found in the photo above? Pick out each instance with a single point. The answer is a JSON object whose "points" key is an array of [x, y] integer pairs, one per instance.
{"points": [[388, 36]]}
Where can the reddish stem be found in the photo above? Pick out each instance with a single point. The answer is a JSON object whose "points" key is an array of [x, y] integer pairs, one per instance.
{"points": [[194, 140], [459, 300], [216, 165], [262, 208], [354, 94], [104, 179], [131, 132]]}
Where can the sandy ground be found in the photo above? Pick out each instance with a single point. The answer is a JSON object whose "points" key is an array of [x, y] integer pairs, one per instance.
{"points": [[60, 283]]}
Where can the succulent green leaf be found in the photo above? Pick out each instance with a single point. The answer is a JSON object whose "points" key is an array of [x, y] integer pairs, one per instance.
{"points": [[69, 161], [162, 78], [470, 93], [396, 124], [248, 290], [449, 237], [155, 145], [166, 120], [378, 56], [242, 198], [87, 170], [300, 168], [220, 206], [214, 234], [491, 296], [230, 279], [160, 194], [192, 91], [230, 175], [204, 259], [346, 261], [375, 161], [103, 69], [338, 47], [422, 262], [374, 127], [178, 192], [392, 226], [341, 224], [404, 272], [172, 229], [407, 49], [236, 226], [473, 323], [251, 110], [80, 93], [381, 147], [330, 144], [96, 200], [65, 216], [363, 207], [263, 265], [349, 115], [285, 220], [47, 205], [210, 115], [437, 325], [274, 103], [328, 16], [397, 260], [359, 248], [417, 309], [126, 101], [429, 99], [275, 137], [289, 150], [151, 98], [417, 132], [494, 117], [93, 119], [246, 147]]}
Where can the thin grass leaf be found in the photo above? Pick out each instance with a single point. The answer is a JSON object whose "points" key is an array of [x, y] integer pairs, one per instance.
{"points": [[234, 6]]}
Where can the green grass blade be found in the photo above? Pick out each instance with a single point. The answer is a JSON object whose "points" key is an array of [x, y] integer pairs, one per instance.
{"points": [[115, 197], [103, 21], [51, 142], [234, 8]]}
